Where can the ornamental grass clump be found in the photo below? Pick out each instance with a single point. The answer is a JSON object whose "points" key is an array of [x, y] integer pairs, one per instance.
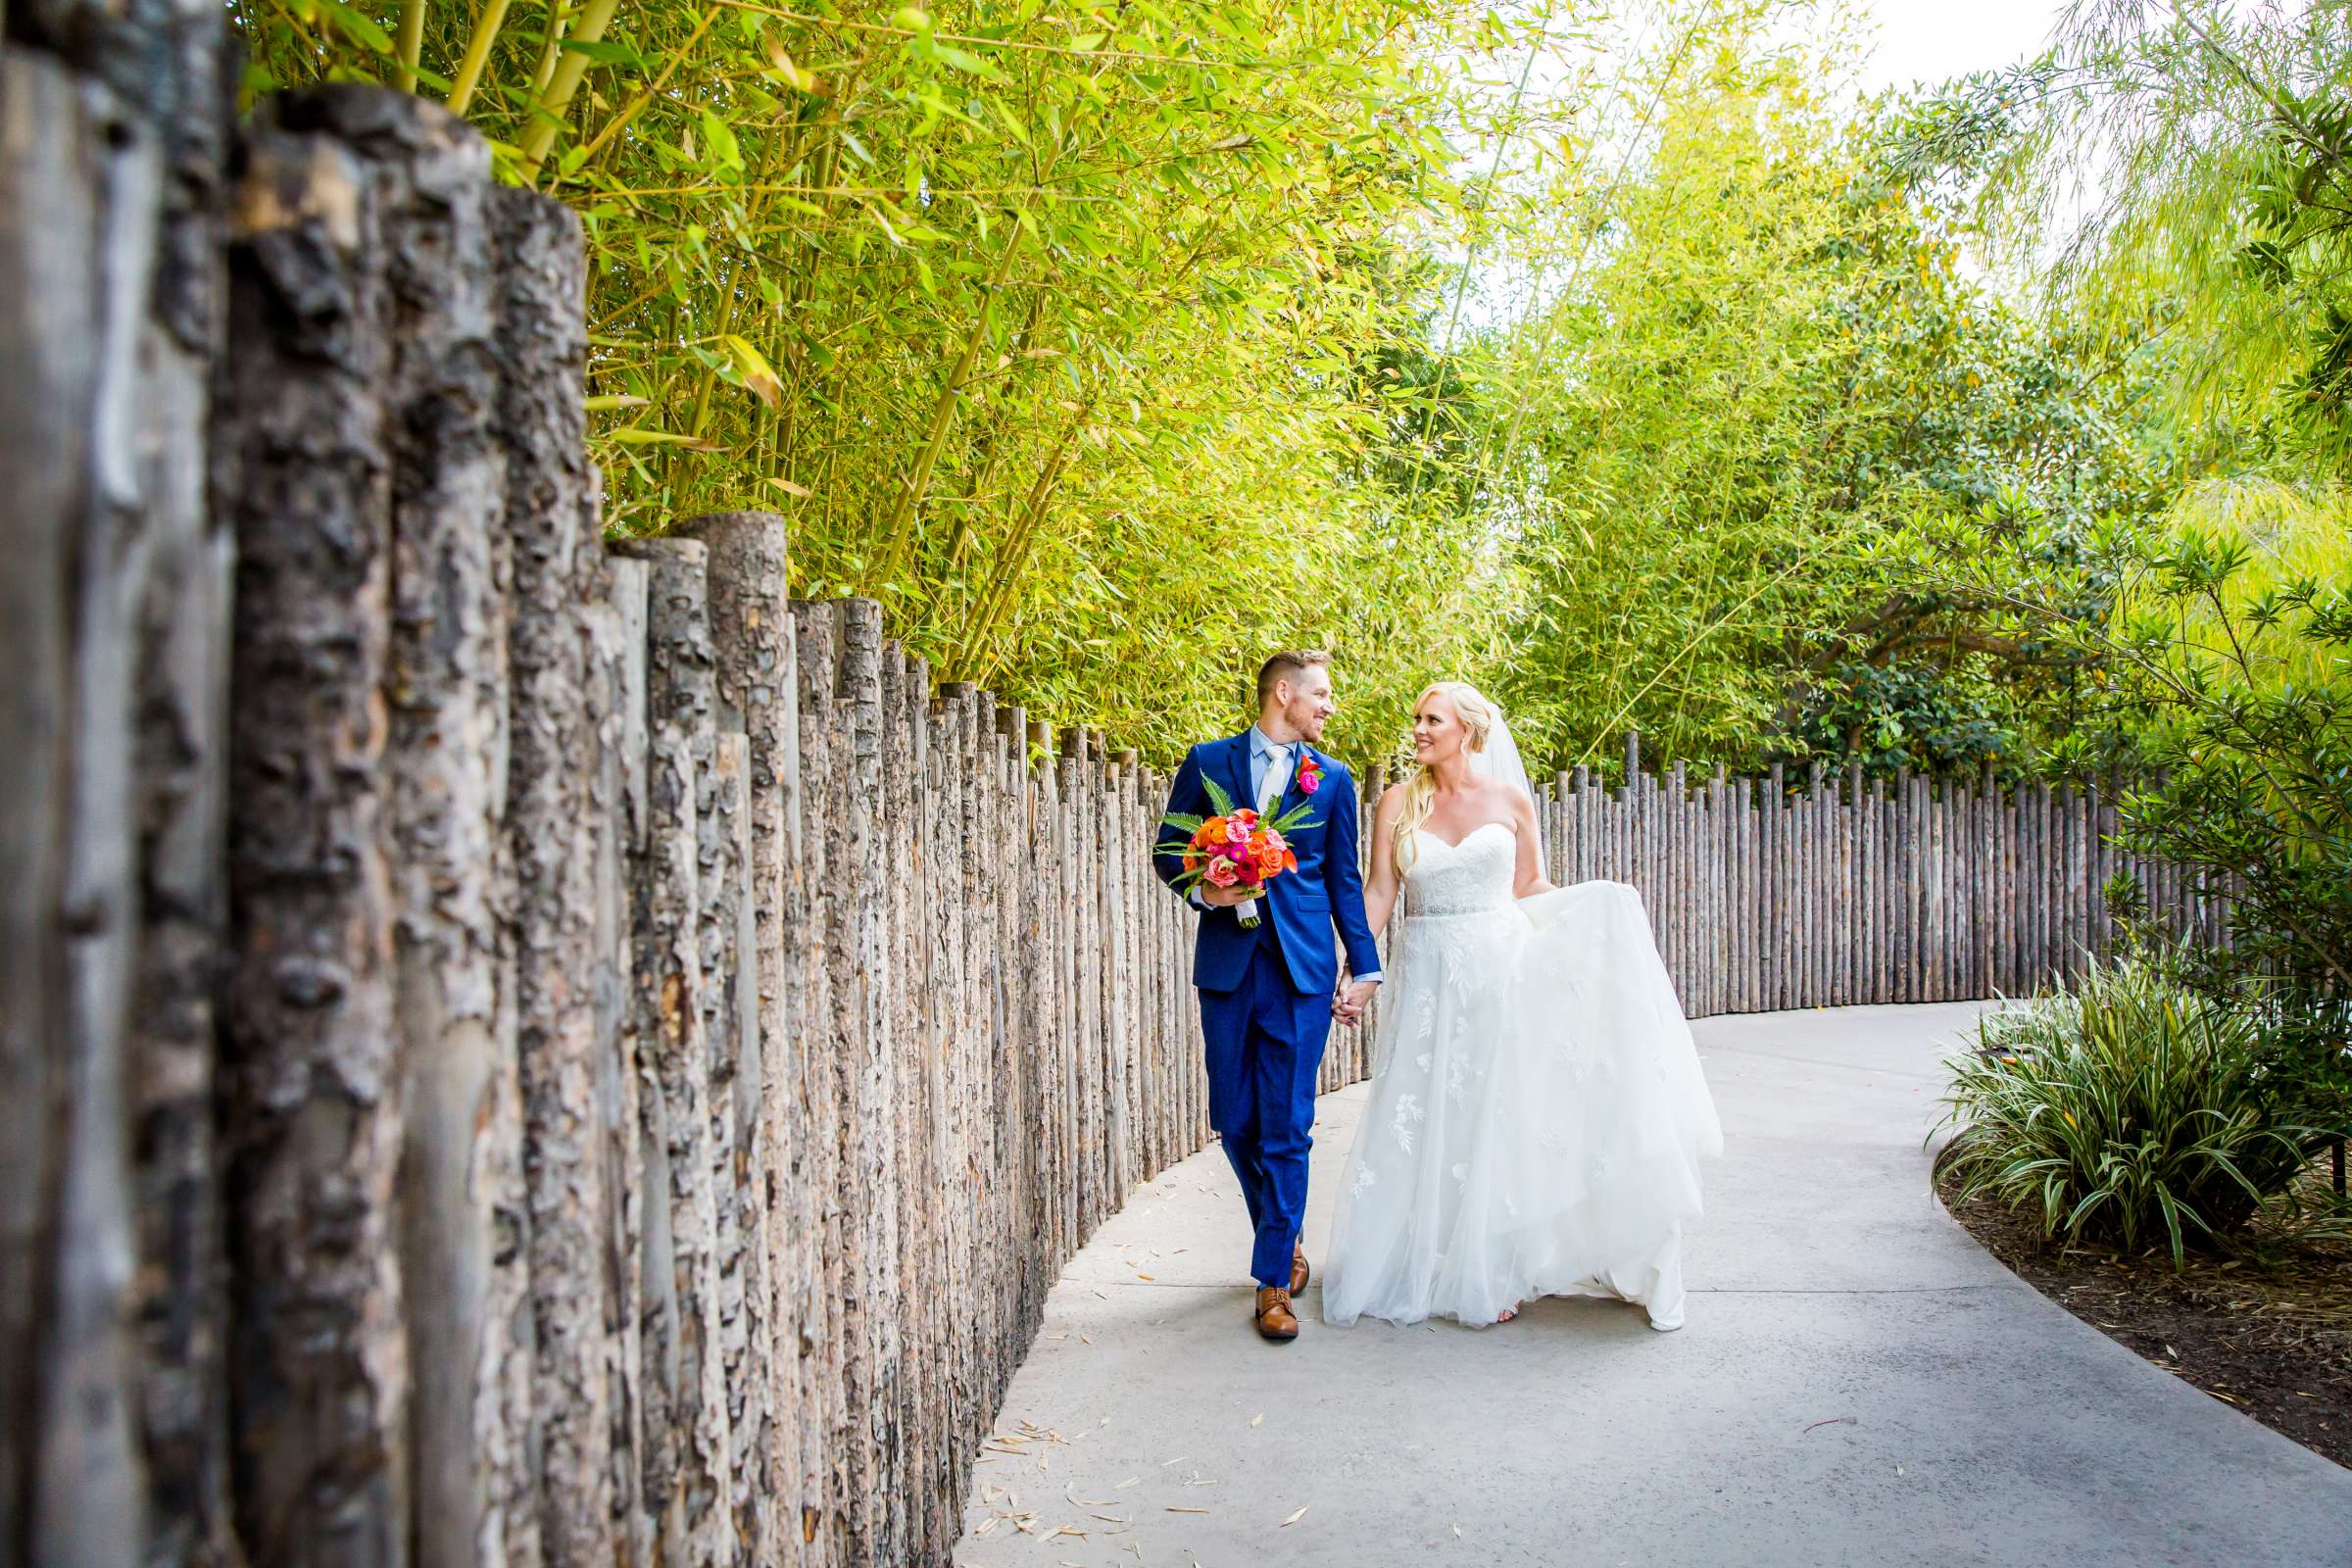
{"points": [[2129, 1110]]}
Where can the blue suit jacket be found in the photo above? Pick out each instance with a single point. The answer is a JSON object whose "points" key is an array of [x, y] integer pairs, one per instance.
{"points": [[1305, 904]]}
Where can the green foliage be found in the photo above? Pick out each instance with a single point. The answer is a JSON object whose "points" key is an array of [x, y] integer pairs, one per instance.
{"points": [[1041, 326], [2182, 178], [1772, 367], [2124, 1108], [2256, 757], [1616, 363]]}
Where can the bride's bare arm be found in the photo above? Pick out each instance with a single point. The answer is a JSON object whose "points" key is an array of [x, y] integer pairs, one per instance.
{"points": [[1528, 878], [1380, 888]]}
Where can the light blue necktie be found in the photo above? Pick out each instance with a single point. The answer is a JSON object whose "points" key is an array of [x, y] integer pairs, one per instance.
{"points": [[1269, 771]]}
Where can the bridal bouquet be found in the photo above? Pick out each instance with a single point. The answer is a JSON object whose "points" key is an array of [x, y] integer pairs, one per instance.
{"points": [[1234, 849]]}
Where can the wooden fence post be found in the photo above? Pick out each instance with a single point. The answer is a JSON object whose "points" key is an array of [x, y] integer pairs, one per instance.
{"points": [[446, 689], [752, 635], [685, 1462], [114, 132], [855, 879], [825, 1335], [313, 1071], [621, 814], [552, 834]]}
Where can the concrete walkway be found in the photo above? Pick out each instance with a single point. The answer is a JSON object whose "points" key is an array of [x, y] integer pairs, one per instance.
{"points": [[1858, 1383]]}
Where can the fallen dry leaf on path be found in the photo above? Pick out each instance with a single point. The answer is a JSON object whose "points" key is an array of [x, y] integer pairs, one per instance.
{"points": [[1294, 1518], [1259, 1420]]}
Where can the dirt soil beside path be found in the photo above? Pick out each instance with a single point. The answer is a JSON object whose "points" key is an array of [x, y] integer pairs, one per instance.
{"points": [[2272, 1338]]}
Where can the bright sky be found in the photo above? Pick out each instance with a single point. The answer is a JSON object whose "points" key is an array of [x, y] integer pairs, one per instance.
{"points": [[1918, 41], [1934, 41]]}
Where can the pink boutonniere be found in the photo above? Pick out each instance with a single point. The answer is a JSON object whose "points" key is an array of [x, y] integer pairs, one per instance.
{"points": [[1310, 775]]}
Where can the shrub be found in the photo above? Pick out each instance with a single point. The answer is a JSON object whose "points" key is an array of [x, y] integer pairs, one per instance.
{"points": [[2128, 1106]]}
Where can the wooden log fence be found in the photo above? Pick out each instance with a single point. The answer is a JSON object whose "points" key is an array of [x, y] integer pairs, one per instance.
{"points": [[1767, 894], [519, 1051]]}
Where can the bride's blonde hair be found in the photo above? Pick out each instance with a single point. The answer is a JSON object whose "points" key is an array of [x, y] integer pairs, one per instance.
{"points": [[1421, 790]]}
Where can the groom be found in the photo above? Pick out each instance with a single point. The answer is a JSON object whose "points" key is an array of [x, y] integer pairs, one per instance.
{"points": [[1267, 993]]}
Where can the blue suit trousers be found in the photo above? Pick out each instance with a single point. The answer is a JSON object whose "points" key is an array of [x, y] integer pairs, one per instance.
{"points": [[1265, 1041]]}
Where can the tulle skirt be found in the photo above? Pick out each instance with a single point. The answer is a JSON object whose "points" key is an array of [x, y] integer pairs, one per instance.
{"points": [[1536, 1120]]}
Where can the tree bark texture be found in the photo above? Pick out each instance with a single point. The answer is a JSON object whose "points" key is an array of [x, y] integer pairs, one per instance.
{"points": [[464, 1226], [553, 837], [313, 1075]]}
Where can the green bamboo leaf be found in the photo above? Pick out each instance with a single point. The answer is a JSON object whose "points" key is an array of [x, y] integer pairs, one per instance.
{"points": [[718, 138], [356, 24], [637, 436], [602, 51], [758, 377], [1011, 122]]}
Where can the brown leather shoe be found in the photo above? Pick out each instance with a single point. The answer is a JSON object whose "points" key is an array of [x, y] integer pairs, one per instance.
{"points": [[1298, 1271], [1275, 1319]]}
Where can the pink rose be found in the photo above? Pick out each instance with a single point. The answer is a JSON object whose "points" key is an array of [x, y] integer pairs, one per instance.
{"points": [[1310, 776], [1221, 874]]}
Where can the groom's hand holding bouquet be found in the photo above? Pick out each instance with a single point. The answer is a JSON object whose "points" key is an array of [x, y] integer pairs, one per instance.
{"points": [[1236, 852]]}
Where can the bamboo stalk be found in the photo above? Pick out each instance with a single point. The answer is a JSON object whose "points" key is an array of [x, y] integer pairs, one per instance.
{"points": [[570, 66], [461, 86], [899, 528], [409, 45]]}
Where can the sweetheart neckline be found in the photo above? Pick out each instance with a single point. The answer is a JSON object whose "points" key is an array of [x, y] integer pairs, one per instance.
{"points": [[1456, 844]]}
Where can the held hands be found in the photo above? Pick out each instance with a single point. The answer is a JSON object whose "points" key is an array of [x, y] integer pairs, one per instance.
{"points": [[1225, 898], [1348, 1005]]}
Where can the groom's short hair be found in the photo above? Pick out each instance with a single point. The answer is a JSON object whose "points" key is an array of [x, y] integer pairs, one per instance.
{"points": [[1282, 665]]}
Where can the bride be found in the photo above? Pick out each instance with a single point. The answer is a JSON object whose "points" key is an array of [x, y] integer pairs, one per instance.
{"points": [[1537, 1111]]}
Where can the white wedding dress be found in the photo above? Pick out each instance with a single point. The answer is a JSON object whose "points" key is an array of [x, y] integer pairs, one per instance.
{"points": [[1537, 1112]]}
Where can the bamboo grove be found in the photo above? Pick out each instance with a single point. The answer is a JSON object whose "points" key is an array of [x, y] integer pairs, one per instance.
{"points": [[1625, 363], [1034, 322]]}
